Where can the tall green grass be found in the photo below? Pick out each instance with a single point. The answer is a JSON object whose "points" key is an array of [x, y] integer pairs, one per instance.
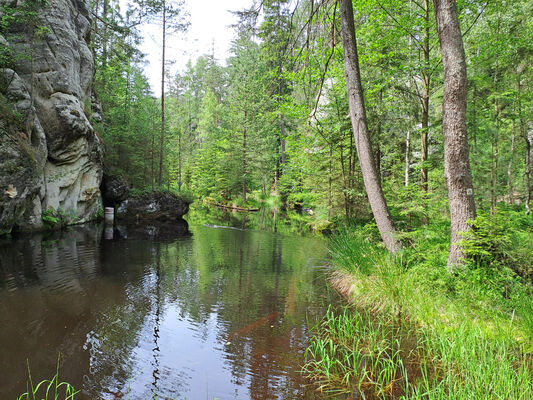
{"points": [[48, 389], [470, 333], [375, 354]]}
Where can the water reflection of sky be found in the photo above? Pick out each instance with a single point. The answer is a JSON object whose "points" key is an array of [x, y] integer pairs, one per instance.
{"points": [[221, 314]]}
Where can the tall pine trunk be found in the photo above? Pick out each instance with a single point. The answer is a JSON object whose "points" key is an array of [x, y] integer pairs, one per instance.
{"points": [[360, 129], [244, 149], [162, 137], [456, 157], [528, 137], [426, 79]]}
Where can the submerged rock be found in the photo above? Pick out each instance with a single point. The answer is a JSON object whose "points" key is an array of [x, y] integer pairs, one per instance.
{"points": [[161, 206]]}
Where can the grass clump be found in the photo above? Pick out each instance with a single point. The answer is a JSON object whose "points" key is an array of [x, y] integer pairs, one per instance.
{"points": [[373, 354], [48, 389], [471, 332]]}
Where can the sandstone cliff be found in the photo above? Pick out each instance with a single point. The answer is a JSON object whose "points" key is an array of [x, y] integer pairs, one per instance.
{"points": [[50, 157]]}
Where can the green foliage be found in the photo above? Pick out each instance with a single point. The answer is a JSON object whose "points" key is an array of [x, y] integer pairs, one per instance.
{"points": [[499, 241], [183, 195], [25, 15], [8, 114], [99, 214], [49, 389], [50, 218], [56, 219]]}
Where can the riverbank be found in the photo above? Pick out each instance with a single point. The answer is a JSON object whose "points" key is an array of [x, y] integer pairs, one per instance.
{"points": [[414, 330]]}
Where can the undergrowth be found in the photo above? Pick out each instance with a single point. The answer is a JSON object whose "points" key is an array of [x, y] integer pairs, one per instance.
{"points": [[471, 332], [182, 194]]}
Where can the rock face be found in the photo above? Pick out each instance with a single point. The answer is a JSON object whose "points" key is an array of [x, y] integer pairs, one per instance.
{"points": [[50, 156], [159, 206]]}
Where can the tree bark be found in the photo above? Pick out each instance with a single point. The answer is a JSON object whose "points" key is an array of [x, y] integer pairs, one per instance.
{"points": [[162, 138], [456, 152], [510, 185], [426, 79], [528, 137], [244, 166], [407, 158], [360, 129], [529, 168]]}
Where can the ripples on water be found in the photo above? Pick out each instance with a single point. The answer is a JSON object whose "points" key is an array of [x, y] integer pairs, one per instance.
{"points": [[219, 314]]}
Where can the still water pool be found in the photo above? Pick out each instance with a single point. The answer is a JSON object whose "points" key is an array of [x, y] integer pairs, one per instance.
{"points": [[193, 312]]}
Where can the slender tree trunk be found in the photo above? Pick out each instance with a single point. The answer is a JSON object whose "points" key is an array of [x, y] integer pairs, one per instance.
{"points": [[510, 170], [494, 150], [492, 177], [528, 137], [153, 149], [426, 79], [344, 180], [360, 129], [244, 166], [282, 129], [104, 41], [162, 138], [529, 167], [179, 160], [456, 157], [281, 93], [330, 178], [407, 160]]}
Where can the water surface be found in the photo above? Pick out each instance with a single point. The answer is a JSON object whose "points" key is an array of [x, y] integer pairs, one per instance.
{"points": [[211, 313]]}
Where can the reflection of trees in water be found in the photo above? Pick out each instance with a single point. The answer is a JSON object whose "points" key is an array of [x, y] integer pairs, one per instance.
{"points": [[263, 285], [157, 317], [266, 219], [116, 295]]}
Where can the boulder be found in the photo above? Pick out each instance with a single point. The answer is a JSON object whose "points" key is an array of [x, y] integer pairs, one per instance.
{"points": [[161, 206], [114, 190]]}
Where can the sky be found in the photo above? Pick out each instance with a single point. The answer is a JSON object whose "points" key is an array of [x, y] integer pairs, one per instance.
{"points": [[209, 28]]}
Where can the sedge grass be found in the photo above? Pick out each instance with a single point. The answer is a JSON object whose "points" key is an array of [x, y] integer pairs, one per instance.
{"points": [[469, 342], [48, 389]]}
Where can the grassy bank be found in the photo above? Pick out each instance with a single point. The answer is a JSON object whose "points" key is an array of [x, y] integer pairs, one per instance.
{"points": [[414, 330]]}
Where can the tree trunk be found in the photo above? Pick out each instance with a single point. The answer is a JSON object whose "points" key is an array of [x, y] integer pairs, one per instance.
{"points": [[162, 138], [330, 179], [104, 42], [360, 129], [244, 166], [510, 185], [529, 167], [153, 145], [456, 157], [407, 160], [528, 137], [426, 78]]}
